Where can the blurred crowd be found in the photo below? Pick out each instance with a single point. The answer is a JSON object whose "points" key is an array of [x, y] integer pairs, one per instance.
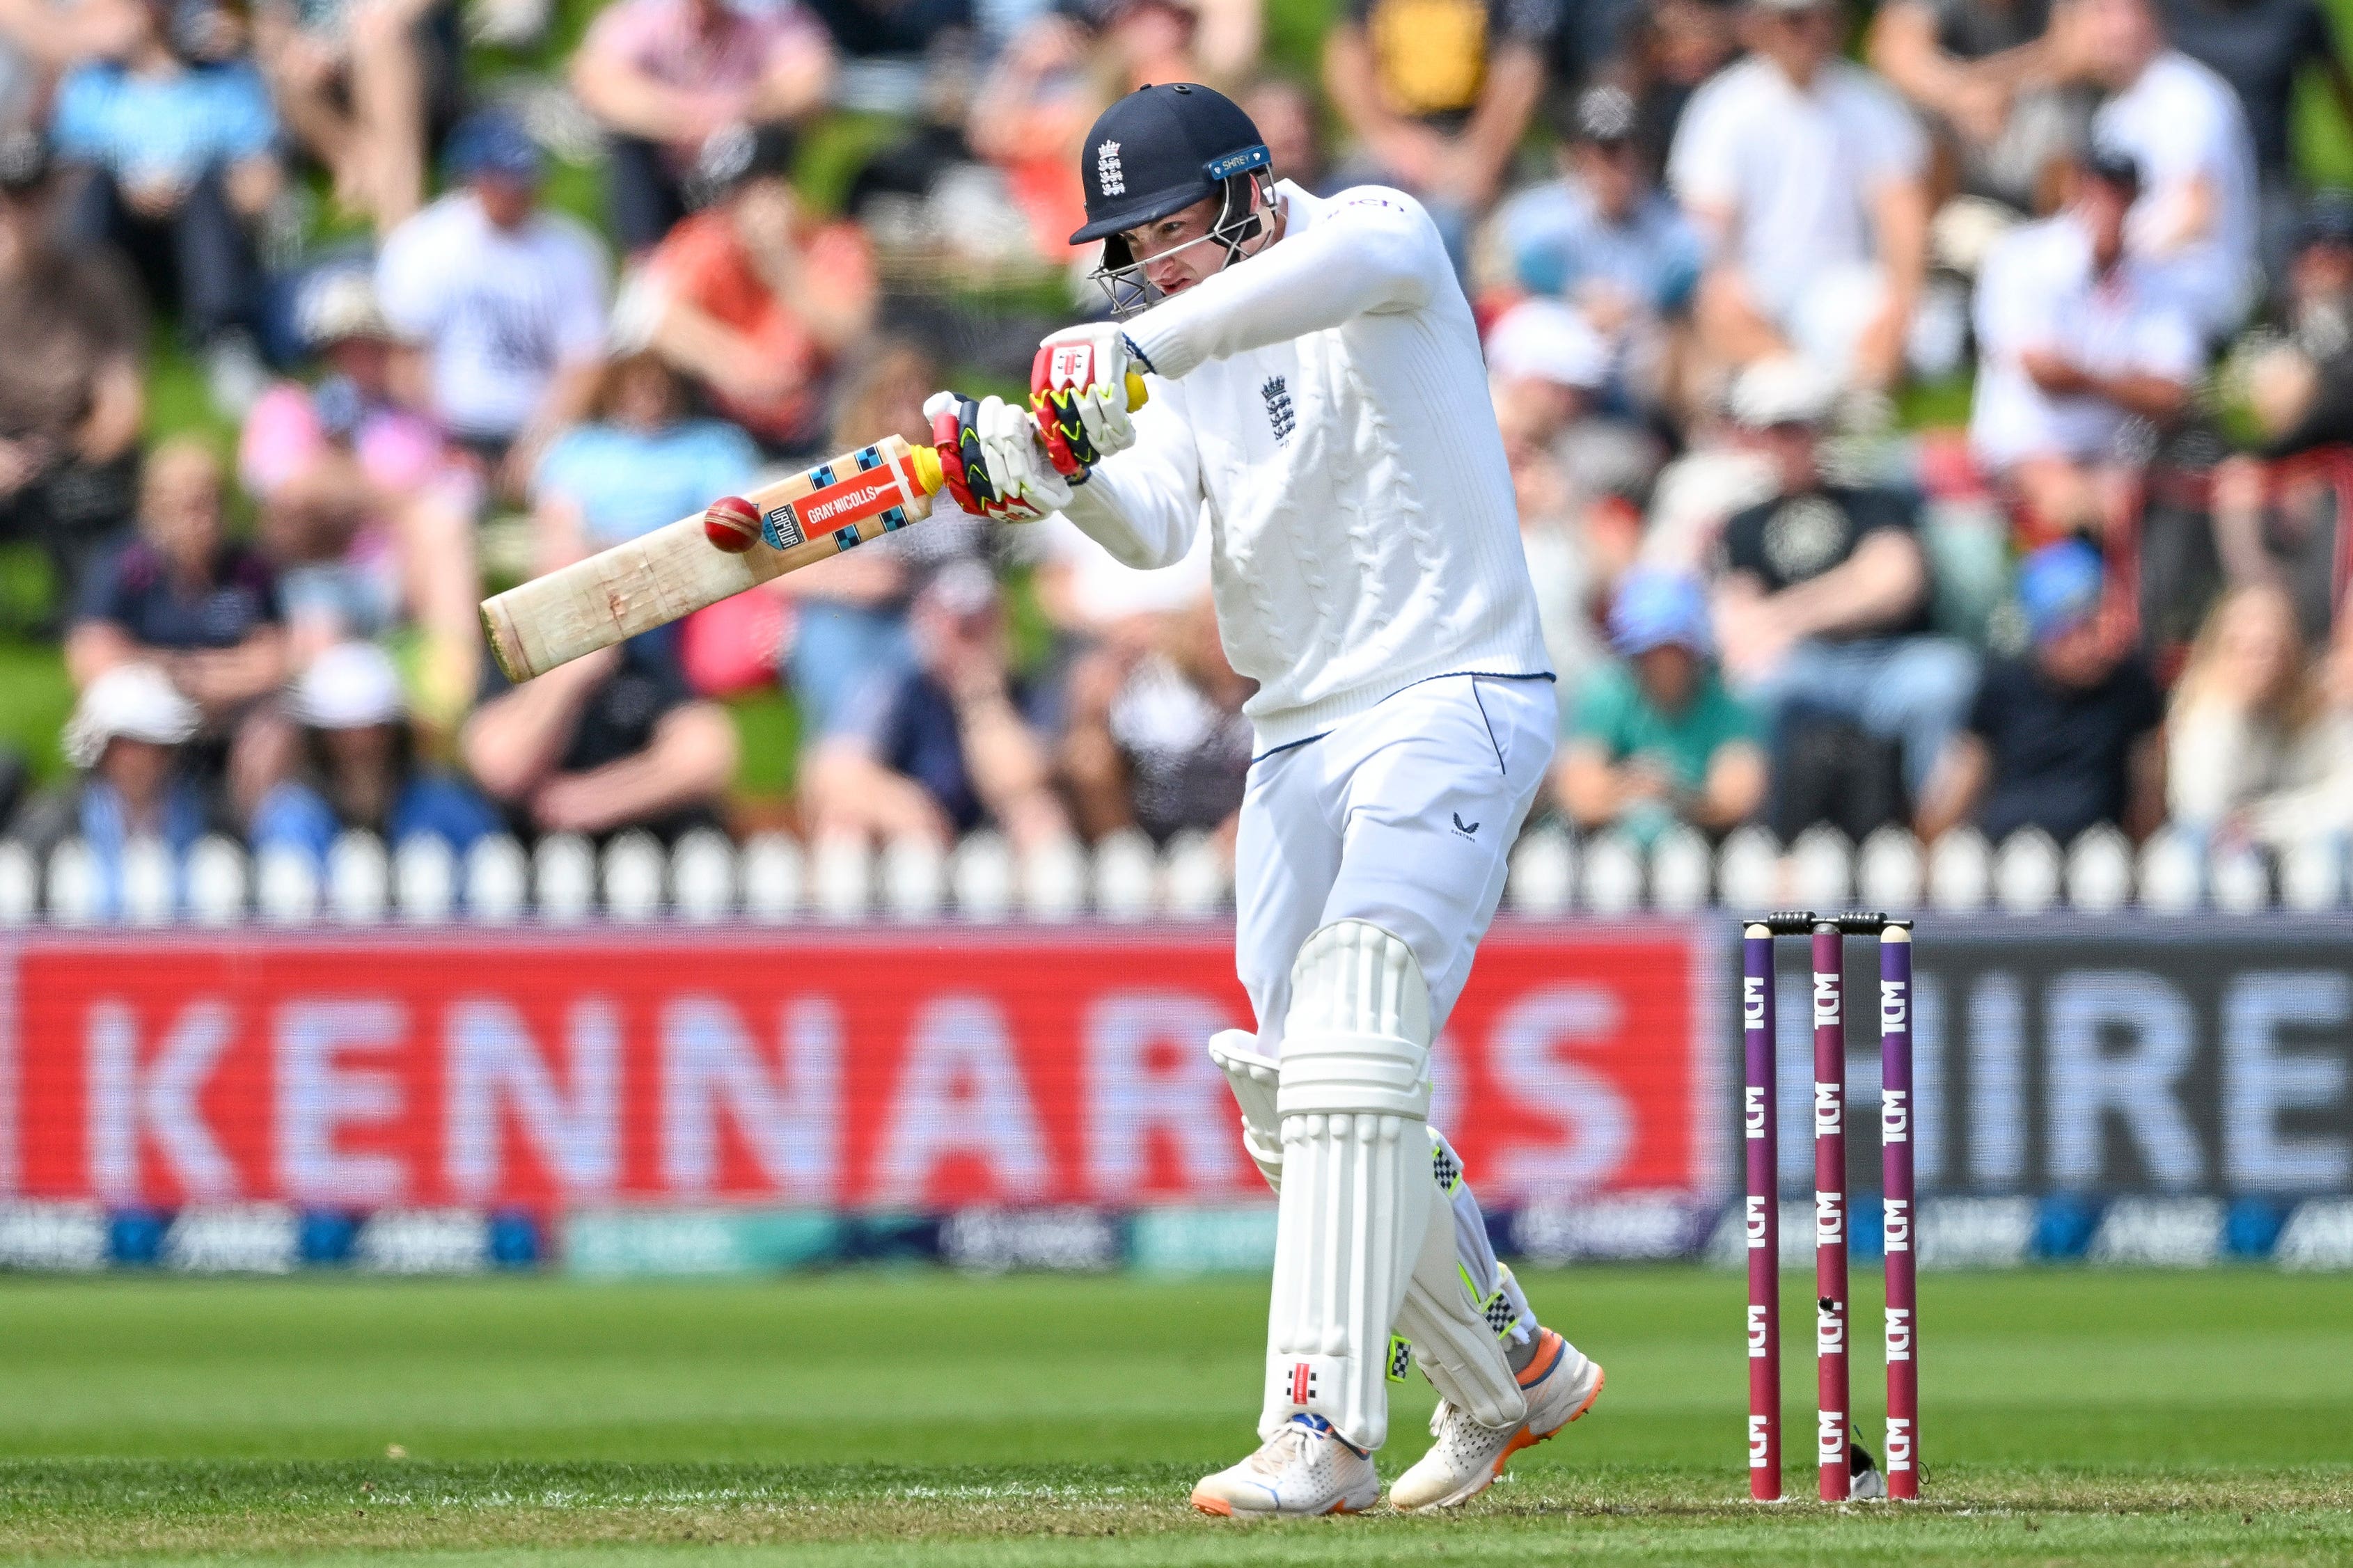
{"points": [[1940, 417]]}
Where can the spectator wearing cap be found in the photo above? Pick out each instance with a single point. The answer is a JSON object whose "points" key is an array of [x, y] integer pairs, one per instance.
{"points": [[364, 508], [1822, 592], [360, 768], [506, 298], [2065, 737], [72, 394], [173, 129], [756, 298], [1545, 371], [127, 742], [640, 461], [1604, 239], [2195, 220], [2081, 343], [665, 77], [357, 80], [183, 597], [1654, 737], [614, 740], [1438, 96], [1546, 368], [939, 747], [1993, 77], [1806, 174]]}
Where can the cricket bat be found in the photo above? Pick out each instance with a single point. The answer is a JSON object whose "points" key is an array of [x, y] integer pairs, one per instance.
{"points": [[674, 571]]}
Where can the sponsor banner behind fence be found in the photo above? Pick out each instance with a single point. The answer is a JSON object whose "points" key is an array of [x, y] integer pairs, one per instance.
{"points": [[2124, 1056], [876, 1069]]}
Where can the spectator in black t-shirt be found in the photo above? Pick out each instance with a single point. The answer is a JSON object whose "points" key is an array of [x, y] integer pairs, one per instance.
{"points": [[205, 610], [933, 750], [612, 741], [1822, 600], [2065, 738], [2264, 48], [1438, 94]]}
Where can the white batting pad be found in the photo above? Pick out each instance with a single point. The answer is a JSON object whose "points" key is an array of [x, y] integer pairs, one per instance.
{"points": [[1451, 1334], [1353, 1101]]}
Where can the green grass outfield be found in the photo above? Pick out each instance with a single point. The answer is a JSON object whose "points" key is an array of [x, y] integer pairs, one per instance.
{"points": [[910, 1417]]}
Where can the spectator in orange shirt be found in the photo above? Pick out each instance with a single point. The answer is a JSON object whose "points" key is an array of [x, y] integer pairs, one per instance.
{"points": [[758, 298]]}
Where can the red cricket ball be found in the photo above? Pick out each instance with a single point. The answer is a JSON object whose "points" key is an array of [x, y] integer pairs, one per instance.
{"points": [[732, 523]]}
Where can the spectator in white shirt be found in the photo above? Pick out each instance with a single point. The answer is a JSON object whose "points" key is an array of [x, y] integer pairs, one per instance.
{"points": [[2182, 124], [1806, 173], [507, 299], [2076, 343]]}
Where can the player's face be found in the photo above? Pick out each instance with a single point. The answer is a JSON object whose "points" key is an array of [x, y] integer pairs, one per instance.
{"points": [[1174, 250]]}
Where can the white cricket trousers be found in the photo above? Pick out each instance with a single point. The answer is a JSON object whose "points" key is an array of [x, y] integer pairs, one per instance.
{"points": [[1404, 816]]}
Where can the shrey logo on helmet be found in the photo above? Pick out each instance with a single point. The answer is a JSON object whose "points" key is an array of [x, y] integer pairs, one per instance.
{"points": [[1108, 173]]}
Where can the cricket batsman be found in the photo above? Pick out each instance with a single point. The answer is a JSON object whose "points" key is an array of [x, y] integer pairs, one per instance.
{"points": [[1318, 400]]}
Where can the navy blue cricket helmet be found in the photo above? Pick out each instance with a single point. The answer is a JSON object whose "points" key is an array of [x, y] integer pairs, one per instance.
{"points": [[1156, 151]]}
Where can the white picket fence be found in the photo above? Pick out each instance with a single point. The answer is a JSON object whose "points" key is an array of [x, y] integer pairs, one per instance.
{"points": [[706, 879]]}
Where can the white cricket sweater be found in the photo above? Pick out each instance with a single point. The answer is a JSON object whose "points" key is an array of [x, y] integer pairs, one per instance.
{"points": [[1325, 406]]}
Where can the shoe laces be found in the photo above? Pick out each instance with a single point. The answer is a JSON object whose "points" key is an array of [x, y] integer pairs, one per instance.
{"points": [[1276, 1455]]}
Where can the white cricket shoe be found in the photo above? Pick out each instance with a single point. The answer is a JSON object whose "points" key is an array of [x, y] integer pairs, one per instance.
{"points": [[1304, 1468], [1561, 1385]]}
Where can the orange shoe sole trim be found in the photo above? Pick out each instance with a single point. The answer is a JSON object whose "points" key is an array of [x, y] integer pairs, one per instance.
{"points": [[1523, 1439]]}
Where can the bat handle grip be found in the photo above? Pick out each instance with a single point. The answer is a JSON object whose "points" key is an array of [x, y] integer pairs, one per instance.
{"points": [[929, 478]]}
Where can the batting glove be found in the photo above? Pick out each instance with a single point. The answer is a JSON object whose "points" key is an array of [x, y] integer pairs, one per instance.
{"points": [[990, 458], [1077, 384]]}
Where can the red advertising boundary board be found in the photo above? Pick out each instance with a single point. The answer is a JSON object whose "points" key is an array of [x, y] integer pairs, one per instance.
{"points": [[878, 1067]]}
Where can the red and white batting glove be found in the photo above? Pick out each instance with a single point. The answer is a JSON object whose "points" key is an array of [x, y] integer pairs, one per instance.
{"points": [[1077, 384], [991, 459]]}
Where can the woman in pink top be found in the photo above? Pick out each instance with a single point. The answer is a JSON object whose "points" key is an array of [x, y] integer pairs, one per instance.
{"points": [[367, 518]]}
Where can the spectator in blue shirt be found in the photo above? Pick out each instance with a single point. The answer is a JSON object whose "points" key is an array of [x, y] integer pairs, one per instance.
{"points": [[1608, 241], [639, 463], [175, 129], [363, 771]]}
